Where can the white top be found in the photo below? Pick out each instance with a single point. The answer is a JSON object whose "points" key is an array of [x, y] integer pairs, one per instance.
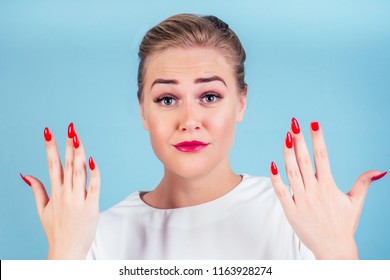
{"points": [[246, 223]]}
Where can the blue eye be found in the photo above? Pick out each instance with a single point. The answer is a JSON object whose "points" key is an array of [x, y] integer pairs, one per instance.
{"points": [[210, 98], [166, 101]]}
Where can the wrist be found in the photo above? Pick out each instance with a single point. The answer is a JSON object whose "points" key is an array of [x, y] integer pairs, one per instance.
{"points": [[338, 251], [59, 254]]}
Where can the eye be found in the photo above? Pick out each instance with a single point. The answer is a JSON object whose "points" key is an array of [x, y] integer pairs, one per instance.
{"points": [[166, 101], [211, 98]]}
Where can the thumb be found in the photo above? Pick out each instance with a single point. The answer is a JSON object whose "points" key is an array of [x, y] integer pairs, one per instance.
{"points": [[40, 194], [358, 191]]}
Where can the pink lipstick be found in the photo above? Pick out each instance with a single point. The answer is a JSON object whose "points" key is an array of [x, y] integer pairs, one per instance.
{"points": [[190, 146]]}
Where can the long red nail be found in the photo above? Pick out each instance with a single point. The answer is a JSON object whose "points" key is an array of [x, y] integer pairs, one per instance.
{"points": [[289, 142], [377, 177], [76, 142], [25, 180], [314, 126], [71, 131], [295, 126], [47, 134], [91, 163], [274, 169]]}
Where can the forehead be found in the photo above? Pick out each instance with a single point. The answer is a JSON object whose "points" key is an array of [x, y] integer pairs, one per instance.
{"points": [[191, 62]]}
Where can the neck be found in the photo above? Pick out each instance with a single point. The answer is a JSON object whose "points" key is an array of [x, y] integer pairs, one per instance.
{"points": [[175, 191]]}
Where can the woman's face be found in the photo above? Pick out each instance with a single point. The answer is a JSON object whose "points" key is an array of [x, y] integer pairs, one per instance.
{"points": [[190, 106]]}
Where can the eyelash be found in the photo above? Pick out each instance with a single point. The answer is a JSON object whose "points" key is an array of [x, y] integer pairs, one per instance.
{"points": [[169, 97], [162, 98]]}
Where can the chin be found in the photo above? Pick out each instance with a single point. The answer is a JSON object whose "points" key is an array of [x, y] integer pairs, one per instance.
{"points": [[190, 169]]}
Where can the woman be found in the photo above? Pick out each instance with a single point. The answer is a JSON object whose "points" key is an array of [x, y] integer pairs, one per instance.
{"points": [[192, 92]]}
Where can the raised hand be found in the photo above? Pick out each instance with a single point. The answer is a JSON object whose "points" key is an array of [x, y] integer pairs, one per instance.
{"points": [[69, 217], [324, 218]]}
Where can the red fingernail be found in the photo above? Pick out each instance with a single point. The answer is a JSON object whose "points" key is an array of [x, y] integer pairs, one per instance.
{"points": [[91, 163], [71, 131], [295, 126], [289, 142], [377, 177], [25, 180], [47, 134], [274, 169], [314, 126], [76, 142]]}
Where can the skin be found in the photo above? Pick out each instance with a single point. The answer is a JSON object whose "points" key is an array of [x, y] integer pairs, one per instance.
{"points": [[69, 217], [178, 105], [194, 113]]}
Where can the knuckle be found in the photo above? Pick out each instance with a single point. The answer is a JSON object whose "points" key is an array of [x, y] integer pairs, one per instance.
{"points": [[54, 163], [78, 172], [293, 172], [69, 164], [304, 161], [281, 192], [321, 153]]}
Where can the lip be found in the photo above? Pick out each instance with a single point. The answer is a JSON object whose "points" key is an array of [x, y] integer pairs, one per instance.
{"points": [[190, 146]]}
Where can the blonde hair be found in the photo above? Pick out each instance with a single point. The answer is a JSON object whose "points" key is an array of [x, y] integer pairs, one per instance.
{"points": [[188, 30]]}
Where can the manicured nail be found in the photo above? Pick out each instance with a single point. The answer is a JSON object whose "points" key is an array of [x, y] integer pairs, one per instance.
{"points": [[91, 163], [295, 126], [274, 169], [314, 126], [25, 180], [289, 142], [71, 131], [377, 177], [47, 134], [76, 142]]}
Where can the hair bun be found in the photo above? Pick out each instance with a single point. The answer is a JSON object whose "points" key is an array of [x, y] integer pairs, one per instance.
{"points": [[220, 24]]}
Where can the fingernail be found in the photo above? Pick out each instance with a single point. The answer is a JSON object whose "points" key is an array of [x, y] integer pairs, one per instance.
{"points": [[295, 126], [76, 142], [274, 169], [314, 126], [91, 163], [25, 180], [289, 142], [377, 177], [71, 131], [47, 134]]}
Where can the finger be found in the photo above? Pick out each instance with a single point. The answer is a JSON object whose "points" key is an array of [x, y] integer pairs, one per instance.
{"points": [[294, 175], [302, 155], [40, 194], [79, 168], [281, 191], [94, 184], [321, 159], [69, 158], [359, 190], [54, 162]]}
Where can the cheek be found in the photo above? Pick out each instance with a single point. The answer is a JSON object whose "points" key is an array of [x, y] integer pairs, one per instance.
{"points": [[160, 131], [222, 125]]}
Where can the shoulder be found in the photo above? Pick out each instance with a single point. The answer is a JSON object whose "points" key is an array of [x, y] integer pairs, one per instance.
{"points": [[257, 187], [264, 183], [130, 205]]}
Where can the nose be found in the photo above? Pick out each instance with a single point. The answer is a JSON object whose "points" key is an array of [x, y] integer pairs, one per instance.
{"points": [[190, 118]]}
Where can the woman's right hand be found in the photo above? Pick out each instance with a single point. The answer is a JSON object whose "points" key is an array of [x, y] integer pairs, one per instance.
{"points": [[69, 217]]}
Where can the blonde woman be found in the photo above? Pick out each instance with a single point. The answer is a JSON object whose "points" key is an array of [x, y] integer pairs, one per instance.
{"points": [[192, 93]]}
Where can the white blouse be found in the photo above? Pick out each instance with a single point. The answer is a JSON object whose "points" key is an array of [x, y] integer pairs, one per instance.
{"points": [[246, 223]]}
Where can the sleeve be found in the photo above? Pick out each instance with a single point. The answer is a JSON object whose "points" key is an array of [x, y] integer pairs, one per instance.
{"points": [[304, 252], [92, 253]]}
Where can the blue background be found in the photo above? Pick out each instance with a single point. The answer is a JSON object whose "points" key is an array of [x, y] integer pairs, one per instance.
{"points": [[63, 61]]}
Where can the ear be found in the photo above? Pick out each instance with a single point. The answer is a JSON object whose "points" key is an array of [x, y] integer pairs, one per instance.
{"points": [[143, 117], [242, 100]]}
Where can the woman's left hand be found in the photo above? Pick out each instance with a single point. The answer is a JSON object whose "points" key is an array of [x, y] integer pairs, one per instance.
{"points": [[324, 218]]}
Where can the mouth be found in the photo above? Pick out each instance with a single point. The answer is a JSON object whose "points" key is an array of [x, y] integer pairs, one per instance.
{"points": [[190, 146]]}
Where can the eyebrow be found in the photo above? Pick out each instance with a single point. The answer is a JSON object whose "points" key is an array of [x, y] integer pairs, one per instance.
{"points": [[197, 81], [210, 79]]}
